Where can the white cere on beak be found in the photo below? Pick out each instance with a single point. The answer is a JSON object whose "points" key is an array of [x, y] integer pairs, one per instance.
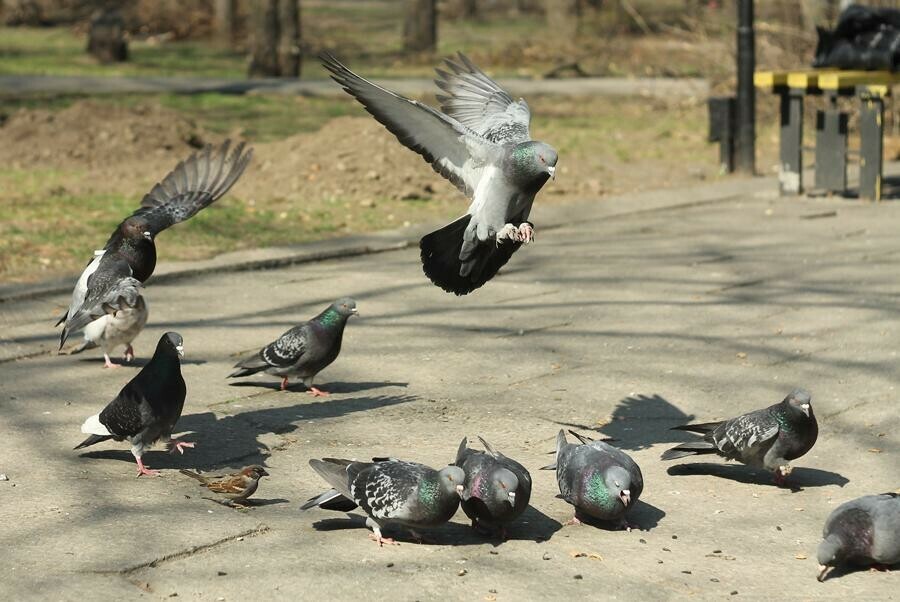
{"points": [[512, 496], [180, 350], [552, 172], [460, 489], [626, 496], [354, 310], [805, 406], [148, 235]]}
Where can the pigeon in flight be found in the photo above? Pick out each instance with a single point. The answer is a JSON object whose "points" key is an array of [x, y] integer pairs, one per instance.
{"points": [[112, 280], [112, 330], [147, 408], [390, 492], [863, 531], [480, 141], [304, 350], [767, 438]]}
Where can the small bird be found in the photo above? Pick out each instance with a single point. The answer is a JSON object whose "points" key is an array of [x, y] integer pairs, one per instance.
{"points": [[390, 492], [598, 479], [304, 350], [767, 438], [147, 408], [497, 488], [112, 279], [114, 329], [236, 487], [863, 531], [480, 141]]}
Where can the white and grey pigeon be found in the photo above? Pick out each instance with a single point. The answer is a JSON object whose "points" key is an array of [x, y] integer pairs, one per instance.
{"points": [[113, 278], [497, 488], [767, 438], [863, 531], [480, 141], [391, 492], [600, 480], [304, 350], [147, 408]]}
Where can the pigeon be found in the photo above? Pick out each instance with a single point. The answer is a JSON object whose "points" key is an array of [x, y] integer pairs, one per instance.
{"points": [[147, 408], [304, 350], [111, 330], [767, 438], [863, 531], [600, 480], [497, 488], [480, 141], [236, 488], [112, 279], [390, 492]]}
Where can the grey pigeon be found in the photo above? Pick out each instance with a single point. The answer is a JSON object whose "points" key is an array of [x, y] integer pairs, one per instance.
{"points": [[497, 488], [113, 329], [112, 279], [863, 531], [304, 350], [147, 408], [390, 492], [767, 438], [600, 480], [480, 142]]}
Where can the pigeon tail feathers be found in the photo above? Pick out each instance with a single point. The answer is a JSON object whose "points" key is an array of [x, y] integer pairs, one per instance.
{"points": [[92, 440], [702, 428], [689, 449]]}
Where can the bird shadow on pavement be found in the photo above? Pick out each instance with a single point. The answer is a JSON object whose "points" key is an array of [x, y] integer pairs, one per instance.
{"points": [[847, 569], [800, 477], [335, 387], [641, 517], [138, 362]]}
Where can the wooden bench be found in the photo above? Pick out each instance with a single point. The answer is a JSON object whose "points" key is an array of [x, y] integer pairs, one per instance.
{"points": [[831, 153]]}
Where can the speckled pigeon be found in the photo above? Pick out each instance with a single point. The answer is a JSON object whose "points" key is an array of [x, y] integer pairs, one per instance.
{"points": [[767, 438], [147, 408], [112, 279], [497, 488], [304, 350], [391, 492], [600, 480], [480, 142], [863, 531], [114, 329]]}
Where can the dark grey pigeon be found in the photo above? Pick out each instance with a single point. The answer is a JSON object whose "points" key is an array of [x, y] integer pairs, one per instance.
{"points": [[391, 492], [863, 531], [304, 350], [767, 438], [482, 144], [497, 488], [600, 480], [147, 408], [130, 253]]}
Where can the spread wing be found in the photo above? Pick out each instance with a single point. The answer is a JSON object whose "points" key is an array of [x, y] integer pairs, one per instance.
{"points": [[741, 434], [453, 150], [287, 349], [479, 103]]}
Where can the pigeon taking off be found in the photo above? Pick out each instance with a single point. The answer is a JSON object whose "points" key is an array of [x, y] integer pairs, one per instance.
{"points": [[767, 438], [863, 531], [480, 141], [111, 281], [600, 480], [304, 350], [390, 492], [497, 488], [147, 408]]}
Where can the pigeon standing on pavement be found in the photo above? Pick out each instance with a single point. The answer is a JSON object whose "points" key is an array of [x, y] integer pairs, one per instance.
{"points": [[497, 488], [304, 350], [114, 329], [147, 408], [863, 531], [480, 141], [600, 480], [390, 492], [767, 438], [111, 282], [235, 488]]}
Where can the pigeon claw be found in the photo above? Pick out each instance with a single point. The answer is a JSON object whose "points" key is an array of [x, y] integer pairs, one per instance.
{"points": [[573, 521], [526, 233], [509, 231], [382, 540], [107, 363], [316, 392], [179, 446], [284, 383], [144, 470], [129, 354]]}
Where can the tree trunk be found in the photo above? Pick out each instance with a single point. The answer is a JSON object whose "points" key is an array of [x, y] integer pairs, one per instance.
{"points": [[420, 26], [264, 45], [226, 21], [106, 37], [289, 57]]}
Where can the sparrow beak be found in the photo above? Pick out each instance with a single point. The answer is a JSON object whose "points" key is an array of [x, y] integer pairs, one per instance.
{"points": [[180, 350], [512, 497], [552, 171], [459, 490], [822, 570], [626, 496]]}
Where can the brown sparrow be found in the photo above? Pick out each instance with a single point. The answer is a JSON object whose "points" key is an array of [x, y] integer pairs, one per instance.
{"points": [[235, 487]]}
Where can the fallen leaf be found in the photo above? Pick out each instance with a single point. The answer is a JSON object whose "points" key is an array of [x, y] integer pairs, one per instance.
{"points": [[800, 556], [874, 450]]}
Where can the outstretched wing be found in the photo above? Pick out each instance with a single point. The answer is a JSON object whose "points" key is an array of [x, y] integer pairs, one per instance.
{"points": [[453, 150], [741, 434], [479, 103], [287, 349]]}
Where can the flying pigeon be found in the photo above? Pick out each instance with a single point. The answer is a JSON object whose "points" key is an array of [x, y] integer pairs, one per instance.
{"points": [[304, 350], [147, 408], [390, 492], [600, 480], [767, 438], [480, 141], [497, 488], [235, 488], [863, 531], [112, 279]]}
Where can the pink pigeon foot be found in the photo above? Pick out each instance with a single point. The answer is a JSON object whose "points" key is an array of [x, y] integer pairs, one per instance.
{"points": [[129, 354], [318, 392], [382, 540], [284, 383], [526, 233], [179, 445], [573, 521], [108, 362], [143, 470]]}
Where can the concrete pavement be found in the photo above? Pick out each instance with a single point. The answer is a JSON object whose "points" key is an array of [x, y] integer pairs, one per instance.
{"points": [[628, 316]]}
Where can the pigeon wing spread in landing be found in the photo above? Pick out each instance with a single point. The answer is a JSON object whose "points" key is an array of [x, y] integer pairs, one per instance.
{"points": [[862, 531]]}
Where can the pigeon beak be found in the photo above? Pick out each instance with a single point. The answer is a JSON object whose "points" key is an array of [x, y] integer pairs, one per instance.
{"points": [[512, 497], [459, 490], [354, 311], [626, 496], [822, 570], [180, 350], [552, 171], [148, 235], [805, 408]]}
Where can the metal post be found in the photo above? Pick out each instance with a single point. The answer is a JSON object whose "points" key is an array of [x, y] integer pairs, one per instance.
{"points": [[746, 95]]}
